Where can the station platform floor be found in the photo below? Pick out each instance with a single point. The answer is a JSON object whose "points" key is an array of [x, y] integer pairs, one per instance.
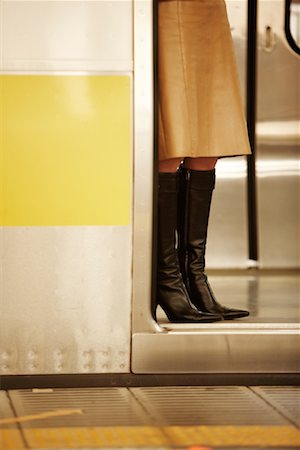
{"points": [[158, 418]]}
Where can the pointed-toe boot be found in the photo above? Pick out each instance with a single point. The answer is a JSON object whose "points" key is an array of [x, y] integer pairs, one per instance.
{"points": [[172, 295], [196, 189]]}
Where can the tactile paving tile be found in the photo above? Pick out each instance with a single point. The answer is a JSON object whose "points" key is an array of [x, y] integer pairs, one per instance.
{"points": [[207, 406], [222, 436], [286, 399], [168, 437], [106, 437], [100, 407], [10, 439]]}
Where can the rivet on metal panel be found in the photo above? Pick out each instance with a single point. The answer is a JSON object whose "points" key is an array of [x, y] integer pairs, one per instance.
{"points": [[58, 356], [32, 354], [5, 355]]}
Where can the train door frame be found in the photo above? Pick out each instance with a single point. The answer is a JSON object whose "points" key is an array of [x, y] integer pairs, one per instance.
{"points": [[233, 348]]}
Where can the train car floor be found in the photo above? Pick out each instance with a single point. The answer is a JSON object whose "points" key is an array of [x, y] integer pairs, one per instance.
{"points": [[261, 292], [185, 417]]}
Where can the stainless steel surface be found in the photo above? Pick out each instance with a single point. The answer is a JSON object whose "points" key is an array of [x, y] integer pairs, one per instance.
{"points": [[143, 166], [227, 234], [65, 299], [278, 138], [295, 21], [270, 298], [227, 242], [214, 351], [266, 341]]}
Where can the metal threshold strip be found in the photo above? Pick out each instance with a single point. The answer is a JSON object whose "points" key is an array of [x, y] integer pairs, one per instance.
{"points": [[234, 328], [225, 348]]}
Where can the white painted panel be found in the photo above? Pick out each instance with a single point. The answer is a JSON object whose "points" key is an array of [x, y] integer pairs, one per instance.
{"points": [[67, 35], [65, 299]]}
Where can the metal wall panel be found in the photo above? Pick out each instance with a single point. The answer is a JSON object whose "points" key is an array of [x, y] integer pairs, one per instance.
{"points": [[65, 299], [65, 294], [144, 166], [227, 234], [278, 138]]}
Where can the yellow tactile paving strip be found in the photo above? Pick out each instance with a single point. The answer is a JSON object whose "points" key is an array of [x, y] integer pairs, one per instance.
{"points": [[10, 439], [141, 437], [222, 436]]}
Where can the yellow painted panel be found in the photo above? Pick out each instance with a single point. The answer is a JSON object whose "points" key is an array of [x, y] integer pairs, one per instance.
{"points": [[65, 150]]}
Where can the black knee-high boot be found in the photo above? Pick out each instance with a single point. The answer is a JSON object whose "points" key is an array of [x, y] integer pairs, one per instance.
{"points": [[196, 194], [171, 292]]}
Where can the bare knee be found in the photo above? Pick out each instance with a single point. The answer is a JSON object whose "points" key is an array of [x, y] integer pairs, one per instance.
{"points": [[169, 165], [203, 163]]}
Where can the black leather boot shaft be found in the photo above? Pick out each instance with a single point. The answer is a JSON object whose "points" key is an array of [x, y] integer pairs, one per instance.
{"points": [[198, 188], [171, 292]]}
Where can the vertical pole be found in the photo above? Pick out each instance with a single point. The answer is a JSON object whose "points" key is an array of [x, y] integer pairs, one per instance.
{"points": [[251, 122]]}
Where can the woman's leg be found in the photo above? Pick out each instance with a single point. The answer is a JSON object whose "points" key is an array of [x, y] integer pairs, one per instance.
{"points": [[171, 292], [205, 163], [198, 185], [169, 165]]}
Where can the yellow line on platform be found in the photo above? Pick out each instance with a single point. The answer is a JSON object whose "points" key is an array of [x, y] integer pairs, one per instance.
{"points": [[45, 415], [143, 436]]}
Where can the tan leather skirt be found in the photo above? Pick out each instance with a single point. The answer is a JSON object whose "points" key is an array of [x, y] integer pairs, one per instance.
{"points": [[200, 106]]}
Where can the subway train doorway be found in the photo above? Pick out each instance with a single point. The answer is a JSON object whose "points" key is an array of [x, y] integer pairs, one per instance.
{"points": [[253, 240]]}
